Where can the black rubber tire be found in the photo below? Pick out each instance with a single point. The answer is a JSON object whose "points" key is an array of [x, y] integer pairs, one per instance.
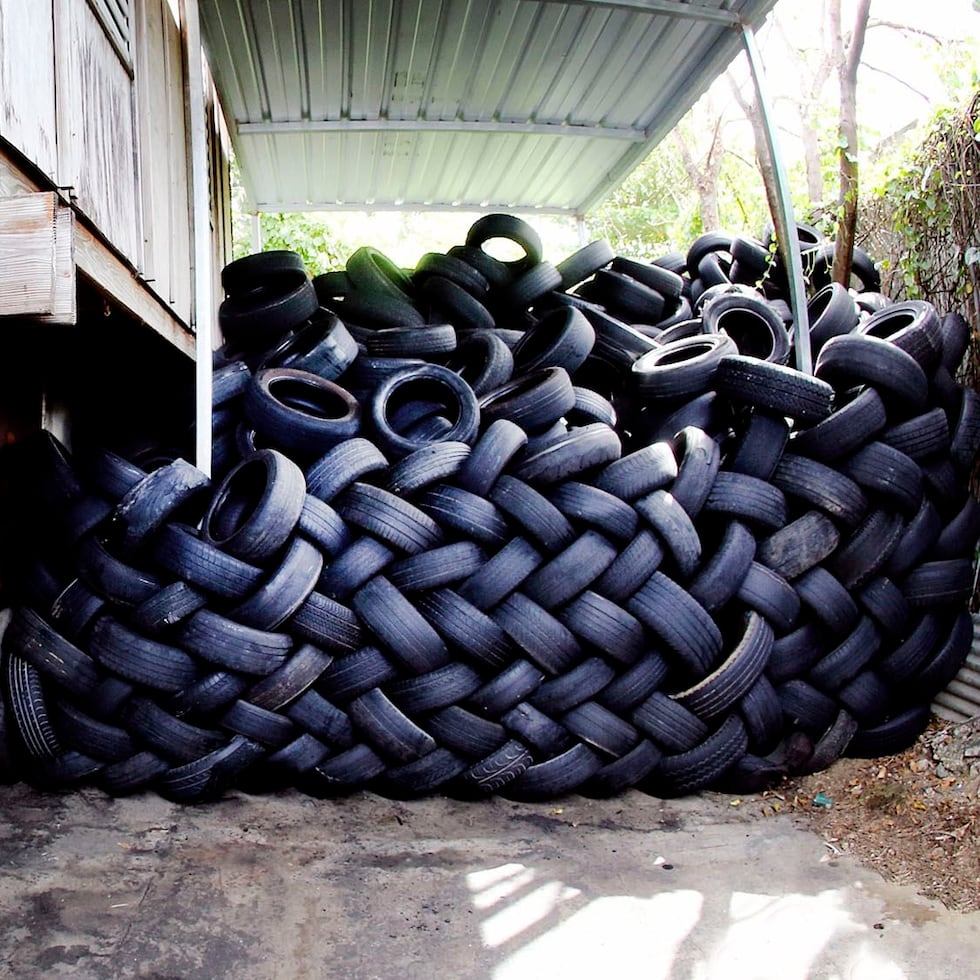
{"points": [[465, 513], [698, 461], [891, 736], [882, 599], [47, 651], [641, 472], [722, 573], [806, 707], [886, 473], [549, 644], [456, 304], [482, 360], [389, 730], [827, 600], [956, 334], [853, 360], [508, 226], [752, 324], [759, 445], [465, 733], [351, 676], [426, 383], [913, 326], [259, 268], [468, 629], [579, 450], [507, 689], [254, 321], [821, 486], [573, 687], [571, 571], [747, 498], [801, 544], [500, 767], [958, 537], [373, 272], [670, 612], [681, 369], [920, 436], [902, 662], [965, 441], [665, 281], [534, 401], [589, 505], [527, 287], [285, 589], [323, 347], [937, 583], [170, 606], [634, 565], [256, 506], [430, 342], [774, 387], [180, 551], [674, 528], [303, 668], [735, 676], [555, 777], [849, 427], [585, 262], [769, 594], [533, 513], [343, 465], [389, 518], [625, 297], [230, 645], [862, 555], [705, 763], [111, 578], [155, 499], [400, 627], [441, 566], [501, 574], [831, 312], [851, 655], [561, 338], [454, 269]]}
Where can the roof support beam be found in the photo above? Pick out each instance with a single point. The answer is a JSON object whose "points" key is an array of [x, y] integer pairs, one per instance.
{"points": [[783, 218], [437, 126], [666, 8]]}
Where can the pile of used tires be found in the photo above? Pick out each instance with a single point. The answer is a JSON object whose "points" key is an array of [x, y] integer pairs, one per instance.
{"points": [[508, 526]]}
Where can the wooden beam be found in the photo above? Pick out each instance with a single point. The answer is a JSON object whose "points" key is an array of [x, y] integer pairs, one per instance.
{"points": [[100, 265]]}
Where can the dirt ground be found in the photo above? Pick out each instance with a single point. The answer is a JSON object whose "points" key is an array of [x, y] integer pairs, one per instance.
{"points": [[912, 817]]}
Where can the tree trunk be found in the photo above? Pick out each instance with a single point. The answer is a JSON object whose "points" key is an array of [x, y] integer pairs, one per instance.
{"points": [[848, 195]]}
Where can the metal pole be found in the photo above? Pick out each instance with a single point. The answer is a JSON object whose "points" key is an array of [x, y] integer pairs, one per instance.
{"points": [[784, 219], [583, 232], [202, 314], [256, 232]]}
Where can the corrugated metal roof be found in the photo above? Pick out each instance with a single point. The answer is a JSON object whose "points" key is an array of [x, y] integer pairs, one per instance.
{"points": [[961, 699], [512, 104]]}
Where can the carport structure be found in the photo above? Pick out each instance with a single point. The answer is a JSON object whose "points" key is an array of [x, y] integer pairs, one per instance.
{"points": [[520, 105]]}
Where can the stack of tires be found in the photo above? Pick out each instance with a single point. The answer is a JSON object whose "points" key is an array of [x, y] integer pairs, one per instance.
{"points": [[487, 526]]}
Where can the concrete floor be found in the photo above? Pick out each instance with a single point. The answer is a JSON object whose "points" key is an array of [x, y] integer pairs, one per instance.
{"points": [[292, 887]]}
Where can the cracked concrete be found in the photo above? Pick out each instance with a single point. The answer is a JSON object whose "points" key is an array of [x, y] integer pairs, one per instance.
{"points": [[291, 887]]}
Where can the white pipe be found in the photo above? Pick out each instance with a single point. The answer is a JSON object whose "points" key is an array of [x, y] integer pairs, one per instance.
{"points": [[202, 314]]}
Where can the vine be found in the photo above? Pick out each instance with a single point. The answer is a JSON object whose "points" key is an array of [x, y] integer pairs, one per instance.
{"points": [[924, 223]]}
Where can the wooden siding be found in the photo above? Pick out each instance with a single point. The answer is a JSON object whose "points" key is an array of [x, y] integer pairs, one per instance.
{"points": [[27, 81], [95, 109], [92, 97], [163, 157]]}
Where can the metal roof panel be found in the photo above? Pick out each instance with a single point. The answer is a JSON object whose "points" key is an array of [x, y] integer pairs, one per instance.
{"points": [[518, 104]]}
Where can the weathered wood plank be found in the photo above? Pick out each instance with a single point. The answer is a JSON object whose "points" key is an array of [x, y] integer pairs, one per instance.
{"points": [[27, 255], [110, 275], [27, 80], [96, 127]]}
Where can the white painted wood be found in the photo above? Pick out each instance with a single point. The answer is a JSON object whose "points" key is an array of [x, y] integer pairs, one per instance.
{"points": [[162, 155], [96, 130], [27, 80]]}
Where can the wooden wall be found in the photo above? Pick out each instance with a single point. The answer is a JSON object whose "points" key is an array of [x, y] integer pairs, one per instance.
{"points": [[92, 95]]}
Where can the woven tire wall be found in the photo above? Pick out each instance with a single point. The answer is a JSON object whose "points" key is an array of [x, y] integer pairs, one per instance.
{"points": [[485, 527]]}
